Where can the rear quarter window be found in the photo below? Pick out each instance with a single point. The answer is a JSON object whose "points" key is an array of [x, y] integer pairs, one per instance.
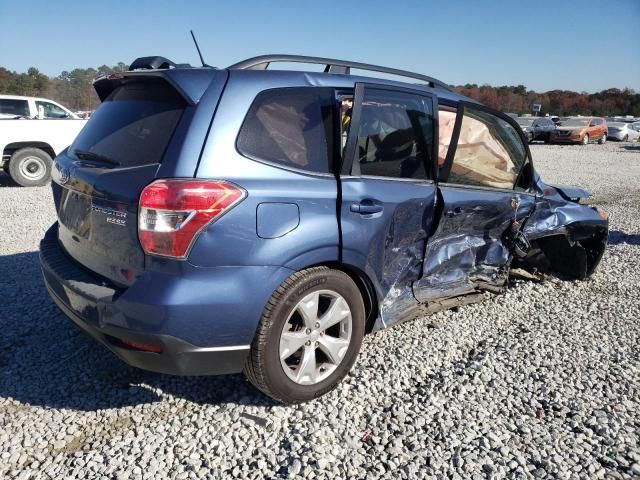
{"points": [[290, 127], [19, 108], [134, 125]]}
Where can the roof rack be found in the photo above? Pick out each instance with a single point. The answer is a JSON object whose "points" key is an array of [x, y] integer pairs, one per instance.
{"points": [[332, 66]]}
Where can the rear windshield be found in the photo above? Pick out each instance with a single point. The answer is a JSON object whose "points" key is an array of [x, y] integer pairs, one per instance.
{"points": [[133, 125]]}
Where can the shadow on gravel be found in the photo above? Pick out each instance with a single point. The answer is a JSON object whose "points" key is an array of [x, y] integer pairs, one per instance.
{"points": [[617, 237], [7, 181], [632, 148], [47, 361]]}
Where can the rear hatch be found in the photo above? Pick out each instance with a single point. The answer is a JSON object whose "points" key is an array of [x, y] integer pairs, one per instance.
{"points": [[136, 135]]}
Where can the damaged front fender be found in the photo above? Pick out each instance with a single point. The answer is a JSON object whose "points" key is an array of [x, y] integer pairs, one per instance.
{"points": [[567, 237]]}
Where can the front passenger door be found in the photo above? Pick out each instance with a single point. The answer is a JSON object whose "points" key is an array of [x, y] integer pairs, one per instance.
{"points": [[483, 192]]}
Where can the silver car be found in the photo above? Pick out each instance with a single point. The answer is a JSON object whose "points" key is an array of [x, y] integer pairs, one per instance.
{"points": [[623, 131]]}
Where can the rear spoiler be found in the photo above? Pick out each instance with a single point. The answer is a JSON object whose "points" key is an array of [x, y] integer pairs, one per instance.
{"points": [[190, 83]]}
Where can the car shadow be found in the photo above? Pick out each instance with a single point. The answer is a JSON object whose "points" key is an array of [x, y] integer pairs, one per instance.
{"points": [[47, 361], [6, 180], [617, 237], [632, 148]]}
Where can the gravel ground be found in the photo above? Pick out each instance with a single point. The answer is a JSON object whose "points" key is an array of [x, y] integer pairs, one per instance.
{"points": [[542, 382]]}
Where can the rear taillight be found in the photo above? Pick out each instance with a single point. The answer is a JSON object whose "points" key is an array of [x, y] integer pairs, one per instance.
{"points": [[174, 211]]}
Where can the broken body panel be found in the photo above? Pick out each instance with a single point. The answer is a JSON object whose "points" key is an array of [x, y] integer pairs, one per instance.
{"points": [[435, 244]]}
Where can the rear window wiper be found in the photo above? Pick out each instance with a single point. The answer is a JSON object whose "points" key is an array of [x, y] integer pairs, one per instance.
{"points": [[87, 155]]}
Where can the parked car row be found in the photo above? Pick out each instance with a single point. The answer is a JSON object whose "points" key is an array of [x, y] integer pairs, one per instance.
{"points": [[579, 130]]}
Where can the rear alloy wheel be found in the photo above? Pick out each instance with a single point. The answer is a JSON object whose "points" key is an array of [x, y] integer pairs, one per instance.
{"points": [[30, 167], [585, 139], [603, 139], [309, 336]]}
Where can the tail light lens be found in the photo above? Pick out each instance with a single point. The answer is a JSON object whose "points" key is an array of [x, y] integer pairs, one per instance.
{"points": [[174, 211]]}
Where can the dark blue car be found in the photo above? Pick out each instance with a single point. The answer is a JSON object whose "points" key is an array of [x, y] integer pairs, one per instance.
{"points": [[214, 221]]}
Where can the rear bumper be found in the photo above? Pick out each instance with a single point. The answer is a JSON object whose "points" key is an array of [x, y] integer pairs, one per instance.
{"points": [[177, 357], [201, 328], [616, 135]]}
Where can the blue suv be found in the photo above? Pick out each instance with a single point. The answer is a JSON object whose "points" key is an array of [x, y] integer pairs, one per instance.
{"points": [[214, 221]]}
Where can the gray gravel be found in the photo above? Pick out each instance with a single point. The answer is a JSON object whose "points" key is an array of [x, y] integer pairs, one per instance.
{"points": [[542, 382]]}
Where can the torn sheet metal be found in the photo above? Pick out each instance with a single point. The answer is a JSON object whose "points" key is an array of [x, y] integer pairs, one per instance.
{"points": [[568, 238], [401, 253], [471, 251], [467, 250]]}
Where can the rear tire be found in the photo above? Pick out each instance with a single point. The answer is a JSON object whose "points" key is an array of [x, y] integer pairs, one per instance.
{"points": [[626, 138], [277, 364], [30, 167], [585, 139], [603, 139]]}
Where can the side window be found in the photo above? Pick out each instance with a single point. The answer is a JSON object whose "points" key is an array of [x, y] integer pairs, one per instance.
{"points": [[489, 152], [49, 110], [290, 127], [18, 108], [395, 138]]}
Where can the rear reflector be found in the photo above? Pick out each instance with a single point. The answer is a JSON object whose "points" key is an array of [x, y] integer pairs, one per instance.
{"points": [[140, 346], [173, 212]]}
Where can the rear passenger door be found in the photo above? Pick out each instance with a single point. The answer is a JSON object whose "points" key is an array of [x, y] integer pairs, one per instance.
{"points": [[387, 191], [483, 179]]}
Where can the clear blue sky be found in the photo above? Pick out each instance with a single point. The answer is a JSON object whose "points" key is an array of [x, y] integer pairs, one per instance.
{"points": [[583, 45]]}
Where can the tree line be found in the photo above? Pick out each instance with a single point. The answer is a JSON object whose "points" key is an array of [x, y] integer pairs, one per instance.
{"points": [[74, 90], [518, 99]]}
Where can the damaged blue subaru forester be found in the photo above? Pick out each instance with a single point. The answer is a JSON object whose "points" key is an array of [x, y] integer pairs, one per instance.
{"points": [[214, 221]]}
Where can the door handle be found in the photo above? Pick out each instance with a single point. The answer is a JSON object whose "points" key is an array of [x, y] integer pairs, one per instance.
{"points": [[366, 208]]}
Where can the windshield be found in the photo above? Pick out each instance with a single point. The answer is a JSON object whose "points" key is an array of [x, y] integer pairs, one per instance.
{"points": [[524, 122], [575, 122], [133, 125]]}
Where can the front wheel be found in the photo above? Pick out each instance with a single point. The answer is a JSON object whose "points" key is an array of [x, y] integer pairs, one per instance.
{"points": [[309, 336], [585, 139], [603, 139], [30, 167]]}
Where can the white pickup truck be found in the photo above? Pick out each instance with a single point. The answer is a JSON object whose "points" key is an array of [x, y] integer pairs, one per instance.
{"points": [[32, 132]]}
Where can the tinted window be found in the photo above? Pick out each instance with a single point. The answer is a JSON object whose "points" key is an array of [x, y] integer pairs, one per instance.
{"points": [[19, 108], [134, 124], [49, 110], [489, 151], [396, 134], [289, 127]]}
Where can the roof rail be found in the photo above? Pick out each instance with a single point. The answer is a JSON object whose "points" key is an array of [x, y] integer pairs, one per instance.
{"points": [[332, 66]]}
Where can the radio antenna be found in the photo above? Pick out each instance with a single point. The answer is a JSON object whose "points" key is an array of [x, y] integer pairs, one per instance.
{"points": [[198, 48]]}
